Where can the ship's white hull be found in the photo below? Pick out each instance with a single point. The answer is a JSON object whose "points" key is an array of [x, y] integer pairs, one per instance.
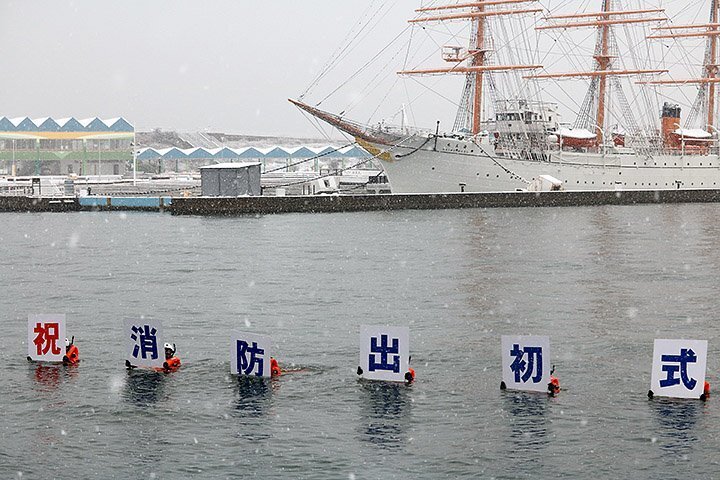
{"points": [[456, 165]]}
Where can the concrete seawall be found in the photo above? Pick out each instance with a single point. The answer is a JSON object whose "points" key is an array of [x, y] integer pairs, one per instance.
{"points": [[336, 203], [321, 204], [75, 204], [34, 204]]}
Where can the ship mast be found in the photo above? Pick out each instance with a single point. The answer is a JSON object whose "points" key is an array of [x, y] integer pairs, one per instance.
{"points": [[712, 66], [477, 54], [603, 21], [603, 62], [479, 60], [709, 77]]}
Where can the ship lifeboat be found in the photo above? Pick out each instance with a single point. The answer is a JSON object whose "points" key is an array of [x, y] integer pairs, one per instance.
{"points": [[691, 137], [690, 140], [577, 138]]}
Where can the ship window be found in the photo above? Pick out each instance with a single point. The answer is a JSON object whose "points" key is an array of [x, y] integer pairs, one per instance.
{"points": [[701, 164]]}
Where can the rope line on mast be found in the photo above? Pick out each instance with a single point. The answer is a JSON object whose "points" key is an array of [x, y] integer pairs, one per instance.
{"points": [[346, 48], [403, 155], [426, 87], [503, 167], [310, 159], [363, 67], [317, 125], [355, 165]]}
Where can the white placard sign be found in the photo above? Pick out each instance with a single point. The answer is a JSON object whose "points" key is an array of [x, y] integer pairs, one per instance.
{"points": [[46, 337], [678, 368], [526, 362], [143, 340], [384, 352], [250, 355]]}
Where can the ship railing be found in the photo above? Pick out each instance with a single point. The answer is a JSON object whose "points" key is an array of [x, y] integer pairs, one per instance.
{"points": [[518, 151], [397, 130], [15, 190], [33, 186], [515, 105], [687, 151], [643, 147], [533, 155]]}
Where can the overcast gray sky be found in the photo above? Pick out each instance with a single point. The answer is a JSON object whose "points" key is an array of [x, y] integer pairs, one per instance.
{"points": [[224, 65]]}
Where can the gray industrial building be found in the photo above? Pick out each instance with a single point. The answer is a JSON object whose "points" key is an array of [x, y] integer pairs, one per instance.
{"points": [[230, 179]]}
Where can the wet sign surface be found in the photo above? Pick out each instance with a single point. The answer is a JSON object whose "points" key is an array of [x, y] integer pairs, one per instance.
{"points": [[250, 355], [525, 362], [678, 368], [143, 343], [384, 352], [46, 337]]}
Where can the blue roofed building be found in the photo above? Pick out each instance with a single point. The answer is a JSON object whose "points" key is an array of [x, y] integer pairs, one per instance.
{"points": [[176, 159], [277, 152]]}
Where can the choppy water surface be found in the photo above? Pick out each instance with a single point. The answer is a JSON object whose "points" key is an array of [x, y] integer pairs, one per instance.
{"points": [[602, 282]]}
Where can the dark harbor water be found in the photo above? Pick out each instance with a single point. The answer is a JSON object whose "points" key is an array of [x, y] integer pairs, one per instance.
{"points": [[602, 282]]}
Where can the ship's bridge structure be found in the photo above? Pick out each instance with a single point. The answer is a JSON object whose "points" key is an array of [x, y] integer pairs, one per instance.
{"points": [[50, 146]]}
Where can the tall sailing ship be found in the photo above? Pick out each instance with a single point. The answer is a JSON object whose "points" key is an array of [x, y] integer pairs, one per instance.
{"points": [[507, 138]]}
